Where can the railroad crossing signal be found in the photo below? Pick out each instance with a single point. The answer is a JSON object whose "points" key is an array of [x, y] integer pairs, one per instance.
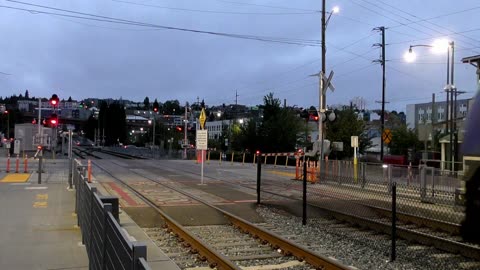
{"points": [[328, 82], [387, 136]]}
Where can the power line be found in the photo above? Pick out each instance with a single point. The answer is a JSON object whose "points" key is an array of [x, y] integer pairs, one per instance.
{"points": [[107, 19], [416, 17], [268, 6], [215, 11]]}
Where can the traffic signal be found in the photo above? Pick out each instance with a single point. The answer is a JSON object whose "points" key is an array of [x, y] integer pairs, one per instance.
{"points": [[53, 121], [155, 108], [313, 115], [304, 114], [54, 101], [179, 128]]}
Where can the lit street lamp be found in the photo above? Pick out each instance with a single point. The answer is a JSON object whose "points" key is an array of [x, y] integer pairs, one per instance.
{"points": [[8, 124], [442, 46]]}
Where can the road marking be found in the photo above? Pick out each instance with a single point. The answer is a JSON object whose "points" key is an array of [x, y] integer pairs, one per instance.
{"points": [[16, 178], [42, 197], [124, 195], [35, 188], [40, 205], [282, 173]]}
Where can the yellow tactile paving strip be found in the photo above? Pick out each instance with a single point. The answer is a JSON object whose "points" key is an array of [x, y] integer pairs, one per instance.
{"points": [[15, 178]]}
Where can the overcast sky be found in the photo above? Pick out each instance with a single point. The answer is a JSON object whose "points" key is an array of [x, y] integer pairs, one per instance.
{"points": [[47, 53]]}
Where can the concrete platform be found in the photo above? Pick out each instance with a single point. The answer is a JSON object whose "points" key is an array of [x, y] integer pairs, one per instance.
{"points": [[38, 226]]}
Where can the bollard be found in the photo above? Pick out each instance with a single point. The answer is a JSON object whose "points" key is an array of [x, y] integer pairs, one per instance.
{"points": [[259, 177], [254, 156], [89, 169], [265, 163], [297, 169], [17, 164], [8, 164], [275, 162], [304, 197], [220, 159], [409, 178], [25, 164], [393, 254], [243, 159], [232, 158], [286, 161], [208, 159]]}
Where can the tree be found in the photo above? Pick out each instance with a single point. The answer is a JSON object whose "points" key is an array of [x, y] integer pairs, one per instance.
{"points": [[346, 125], [403, 138], [146, 103], [69, 99], [277, 131], [27, 95], [171, 107], [113, 122]]}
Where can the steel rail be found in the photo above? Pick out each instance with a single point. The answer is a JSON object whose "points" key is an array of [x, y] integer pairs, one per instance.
{"points": [[288, 247]]}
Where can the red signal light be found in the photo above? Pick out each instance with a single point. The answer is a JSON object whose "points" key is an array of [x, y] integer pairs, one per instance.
{"points": [[155, 109], [315, 118], [39, 147], [257, 152]]}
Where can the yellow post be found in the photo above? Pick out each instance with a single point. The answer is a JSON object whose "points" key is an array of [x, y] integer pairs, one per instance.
{"points": [[286, 161], [232, 158], [254, 156], [243, 159], [275, 163], [355, 172], [265, 163], [208, 159], [220, 159]]}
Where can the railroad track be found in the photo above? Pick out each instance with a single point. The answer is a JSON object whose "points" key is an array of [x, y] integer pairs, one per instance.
{"points": [[238, 244], [415, 229], [83, 153]]}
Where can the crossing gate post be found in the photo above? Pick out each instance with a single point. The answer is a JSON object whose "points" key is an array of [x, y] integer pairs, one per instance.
{"points": [[8, 164], [259, 175], [25, 164], [17, 164]]}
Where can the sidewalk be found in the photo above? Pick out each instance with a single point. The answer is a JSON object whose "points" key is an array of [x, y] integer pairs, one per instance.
{"points": [[38, 226]]}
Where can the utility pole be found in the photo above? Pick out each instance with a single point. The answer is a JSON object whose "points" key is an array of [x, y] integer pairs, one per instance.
{"points": [[185, 132], [433, 122], [453, 94], [382, 62]]}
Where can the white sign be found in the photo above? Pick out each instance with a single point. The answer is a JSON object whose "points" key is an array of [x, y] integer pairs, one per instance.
{"points": [[16, 147], [354, 141], [202, 139]]}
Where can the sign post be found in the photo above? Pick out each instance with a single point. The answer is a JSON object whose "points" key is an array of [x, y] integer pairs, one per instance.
{"points": [[202, 139], [354, 143]]}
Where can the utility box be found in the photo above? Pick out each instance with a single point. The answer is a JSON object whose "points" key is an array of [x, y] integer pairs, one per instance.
{"points": [[27, 134]]}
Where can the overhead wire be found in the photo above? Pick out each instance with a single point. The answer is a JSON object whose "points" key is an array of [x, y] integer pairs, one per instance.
{"points": [[95, 17], [408, 19], [261, 5], [215, 11]]}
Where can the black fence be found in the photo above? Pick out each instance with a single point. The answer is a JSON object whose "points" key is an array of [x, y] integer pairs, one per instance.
{"points": [[108, 246]]}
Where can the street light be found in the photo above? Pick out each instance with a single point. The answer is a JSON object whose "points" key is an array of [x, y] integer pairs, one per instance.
{"points": [[8, 124], [442, 46]]}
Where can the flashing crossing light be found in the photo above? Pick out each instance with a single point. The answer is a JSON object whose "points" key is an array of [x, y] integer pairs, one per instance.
{"points": [[257, 152], [54, 101], [53, 120]]}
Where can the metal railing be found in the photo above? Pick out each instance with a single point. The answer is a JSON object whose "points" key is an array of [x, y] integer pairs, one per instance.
{"points": [[107, 244]]}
